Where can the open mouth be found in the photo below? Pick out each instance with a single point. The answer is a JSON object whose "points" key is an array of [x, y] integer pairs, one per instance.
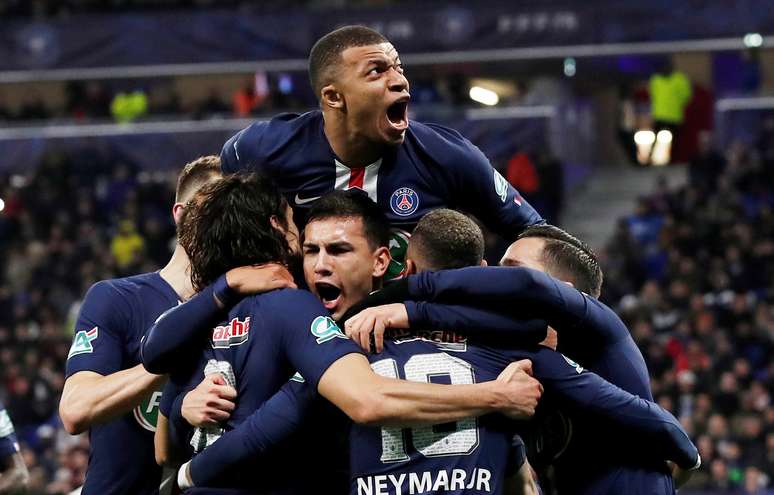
{"points": [[396, 114], [328, 293]]}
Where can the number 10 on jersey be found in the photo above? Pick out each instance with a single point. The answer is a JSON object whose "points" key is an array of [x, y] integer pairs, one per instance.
{"points": [[461, 440]]}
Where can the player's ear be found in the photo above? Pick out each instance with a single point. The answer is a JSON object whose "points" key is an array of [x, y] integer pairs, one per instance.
{"points": [[331, 98], [410, 267], [177, 212], [382, 260], [484, 263]]}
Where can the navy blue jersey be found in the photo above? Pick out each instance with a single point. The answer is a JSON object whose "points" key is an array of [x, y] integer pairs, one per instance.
{"points": [[588, 331], [468, 456], [112, 320], [9, 445], [260, 345], [435, 167]]}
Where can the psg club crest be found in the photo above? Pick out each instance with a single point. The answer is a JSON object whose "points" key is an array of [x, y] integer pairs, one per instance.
{"points": [[404, 201]]}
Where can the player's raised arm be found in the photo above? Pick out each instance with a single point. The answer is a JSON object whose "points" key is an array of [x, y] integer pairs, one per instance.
{"points": [[97, 389], [422, 314], [514, 289], [581, 389]]}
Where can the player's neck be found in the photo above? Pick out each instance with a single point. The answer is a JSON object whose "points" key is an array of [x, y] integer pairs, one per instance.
{"points": [[349, 146], [177, 274]]}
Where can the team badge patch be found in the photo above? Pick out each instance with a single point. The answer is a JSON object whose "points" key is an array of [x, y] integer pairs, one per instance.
{"points": [[404, 201], [501, 186], [325, 329], [399, 240], [82, 342], [235, 333], [572, 363]]}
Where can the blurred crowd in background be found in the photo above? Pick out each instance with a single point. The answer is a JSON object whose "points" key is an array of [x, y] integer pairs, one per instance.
{"points": [[691, 271]]}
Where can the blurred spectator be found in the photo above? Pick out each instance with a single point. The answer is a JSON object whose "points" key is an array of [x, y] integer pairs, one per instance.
{"points": [[705, 168], [692, 273], [670, 93], [127, 107], [34, 108], [213, 105], [126, 246]]}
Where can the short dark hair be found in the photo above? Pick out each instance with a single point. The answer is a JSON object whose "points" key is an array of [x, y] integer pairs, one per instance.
{"points": [[354, 203], [194, 174], [228, 224], [445, 239], [325, 55], [568, 258]]}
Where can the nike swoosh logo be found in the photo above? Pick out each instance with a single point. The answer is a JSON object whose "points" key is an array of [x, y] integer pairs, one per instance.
{"points": [[303, 201]]}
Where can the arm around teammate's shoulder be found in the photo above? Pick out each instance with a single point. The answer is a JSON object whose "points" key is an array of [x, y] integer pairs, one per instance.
{"points": [[97, 389], [371, 399], [89, 398]]}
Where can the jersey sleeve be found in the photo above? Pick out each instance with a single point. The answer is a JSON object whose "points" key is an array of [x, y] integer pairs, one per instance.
{"points": [[98, 343], [310, 339], [579, 389], [523, 292], [9, 444], [481, 190], [475, 321], [264, 429], [179, 332], [240, 153]]}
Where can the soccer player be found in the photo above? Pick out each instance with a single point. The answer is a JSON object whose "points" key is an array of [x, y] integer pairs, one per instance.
{"points": [[589, 333], [265, 338], [362, 138], [107, 391], [469, 455], [13, 471]]}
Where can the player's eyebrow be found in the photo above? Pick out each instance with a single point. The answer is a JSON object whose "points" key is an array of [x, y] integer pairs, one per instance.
{"points": [[339, 246]]}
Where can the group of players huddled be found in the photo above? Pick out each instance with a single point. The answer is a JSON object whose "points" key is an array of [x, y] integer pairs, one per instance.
{"points": [[327, 324]]}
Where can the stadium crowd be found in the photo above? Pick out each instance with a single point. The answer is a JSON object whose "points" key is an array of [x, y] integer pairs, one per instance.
{"points": [[690, 271]]}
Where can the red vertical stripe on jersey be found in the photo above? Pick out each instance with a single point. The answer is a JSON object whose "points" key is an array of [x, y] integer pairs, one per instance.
{"points": [[356, 177]]}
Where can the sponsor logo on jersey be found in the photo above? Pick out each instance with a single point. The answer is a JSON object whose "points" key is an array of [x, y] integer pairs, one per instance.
{"points": [[235, 333], [478, 480], [147, 413], [297, 378], [82, 342], [445, 340], [325, 329], [302, 201], [404, 201], [501, 186], [572, 363]]}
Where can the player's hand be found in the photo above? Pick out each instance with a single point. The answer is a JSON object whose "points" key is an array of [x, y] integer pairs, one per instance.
{"points": [[551, 340], [682, 476], [522, 391], [256, 279], [375, 321], [211, 402]]}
